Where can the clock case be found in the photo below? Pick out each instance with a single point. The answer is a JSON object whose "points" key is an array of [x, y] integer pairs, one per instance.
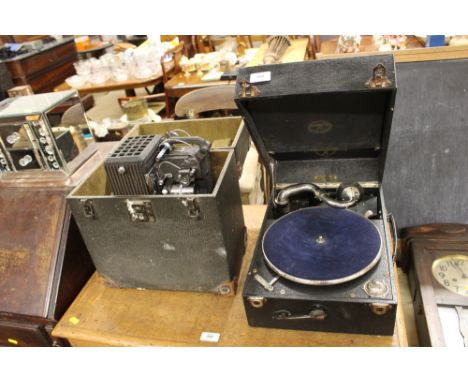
{"points": [[421, 245], [321, 122]]}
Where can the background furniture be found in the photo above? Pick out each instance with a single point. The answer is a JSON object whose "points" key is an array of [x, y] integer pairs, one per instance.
{"points": [[180, 85], [96, 50], [20, 38], [220, 98], [102, 316], [5, 81], [43, 260], [46, 68], [415, 50], [171, 68], [128, 86], [168, 69], [441, 312], [295, 53]]}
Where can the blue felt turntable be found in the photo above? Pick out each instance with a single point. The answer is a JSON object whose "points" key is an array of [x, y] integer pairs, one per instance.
{"points": [[322, 245]]}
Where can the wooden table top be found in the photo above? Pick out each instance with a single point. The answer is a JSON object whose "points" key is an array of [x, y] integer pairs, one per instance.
{"points": [[96, 47], [415, 51], [102, 316], [179, 85], [131, 83]]}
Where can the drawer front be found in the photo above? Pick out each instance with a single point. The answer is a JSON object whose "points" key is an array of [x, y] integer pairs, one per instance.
{"points": [[48, 81], [14, 333], [52, 57]]}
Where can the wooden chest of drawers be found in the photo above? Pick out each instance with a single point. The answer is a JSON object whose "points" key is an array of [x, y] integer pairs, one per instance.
{"points": [[45, 69]]}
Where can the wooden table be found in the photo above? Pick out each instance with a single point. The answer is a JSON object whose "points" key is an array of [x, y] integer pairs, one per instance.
{"points": [[128, 85], [102, 316], [180, 85], [415, 51], [96, 50]]}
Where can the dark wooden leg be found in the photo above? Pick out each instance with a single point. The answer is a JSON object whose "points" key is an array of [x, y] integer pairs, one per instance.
{"points": [[130, 92], [168, 106]]}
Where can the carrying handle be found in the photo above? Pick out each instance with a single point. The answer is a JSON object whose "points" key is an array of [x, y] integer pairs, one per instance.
{"points": [[391, 220]]}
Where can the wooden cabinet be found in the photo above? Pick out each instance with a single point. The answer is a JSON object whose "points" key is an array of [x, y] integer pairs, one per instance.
{"points": [[44, 262], [46, 68]]}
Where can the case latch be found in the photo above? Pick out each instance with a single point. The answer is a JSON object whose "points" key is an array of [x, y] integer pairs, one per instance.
{"points": [[193, 209], [248, 90], [379, 78], [140, 211], [88, 208]]}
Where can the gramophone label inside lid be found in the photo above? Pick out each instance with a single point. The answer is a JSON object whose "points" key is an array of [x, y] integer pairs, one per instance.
{"points": [[260, 77]]}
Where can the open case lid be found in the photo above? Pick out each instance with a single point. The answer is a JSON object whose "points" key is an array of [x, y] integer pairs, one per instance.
{"points": [[320, 121]]}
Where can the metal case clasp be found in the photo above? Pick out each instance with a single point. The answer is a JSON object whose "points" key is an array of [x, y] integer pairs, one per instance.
{"points": [[193, 209], [248, 90], [88, 208], [379, 78]]}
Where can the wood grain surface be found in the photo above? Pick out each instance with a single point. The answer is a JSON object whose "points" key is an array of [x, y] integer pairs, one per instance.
{"points": [[414, 52], [102, 316]]}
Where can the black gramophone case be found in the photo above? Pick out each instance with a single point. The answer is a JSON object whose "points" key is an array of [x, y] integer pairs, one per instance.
{"points": [[324, 122]]}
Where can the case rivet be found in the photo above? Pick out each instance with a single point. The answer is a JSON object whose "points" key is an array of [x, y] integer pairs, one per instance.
{"points": [[256, 302], [380, 309], [223, 290]]}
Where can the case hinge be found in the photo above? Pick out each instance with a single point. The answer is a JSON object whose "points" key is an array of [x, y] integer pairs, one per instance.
{"points": [[193, 209], [140, 211], [248, 90], [379, 78], [88, 208]]}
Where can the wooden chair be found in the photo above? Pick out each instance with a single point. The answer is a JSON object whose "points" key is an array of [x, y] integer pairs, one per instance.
{"points": [[171, 68], [202, 44], [206, 99]]}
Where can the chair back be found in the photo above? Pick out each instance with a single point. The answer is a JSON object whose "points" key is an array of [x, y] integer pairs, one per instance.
{"points": [[172, 67], [206, 99]]}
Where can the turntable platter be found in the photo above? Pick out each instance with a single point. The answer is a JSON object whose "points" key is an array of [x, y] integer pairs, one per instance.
{"points": [[322, 245]]}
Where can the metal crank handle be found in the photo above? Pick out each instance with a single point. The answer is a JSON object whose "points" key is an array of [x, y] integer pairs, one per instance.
{"points": [[317, 313]]}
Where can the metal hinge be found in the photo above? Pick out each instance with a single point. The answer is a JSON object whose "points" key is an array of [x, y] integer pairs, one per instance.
{"points": [[88, 208], [140, 211], [379, 78], [248, 90], [193, 209]]}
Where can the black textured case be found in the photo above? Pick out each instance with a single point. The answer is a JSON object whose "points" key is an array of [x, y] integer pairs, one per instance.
{"points": [[322, 122]]}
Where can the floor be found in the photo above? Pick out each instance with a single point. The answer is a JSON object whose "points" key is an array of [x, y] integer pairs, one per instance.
{"points": [[106, 106]]}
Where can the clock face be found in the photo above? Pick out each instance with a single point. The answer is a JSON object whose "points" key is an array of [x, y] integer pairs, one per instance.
{"points": [[452, 273]]}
